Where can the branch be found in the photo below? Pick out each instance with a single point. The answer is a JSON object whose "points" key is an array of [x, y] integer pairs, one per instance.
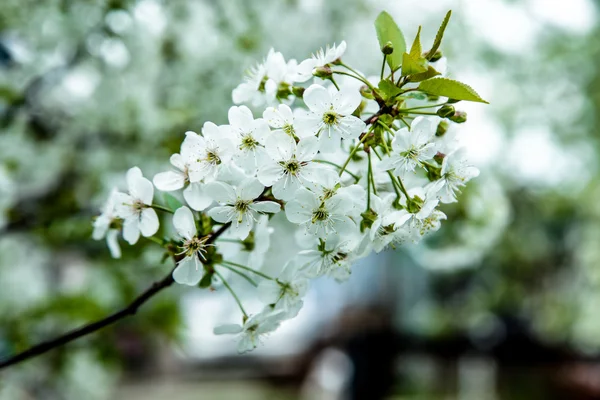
{"points": [[131, 309]]}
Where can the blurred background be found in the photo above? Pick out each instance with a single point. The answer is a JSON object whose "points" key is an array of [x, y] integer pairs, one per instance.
{"points": [[501, 303]]}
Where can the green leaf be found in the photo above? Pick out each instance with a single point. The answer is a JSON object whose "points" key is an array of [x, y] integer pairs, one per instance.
{"points": [[438, 37], [388, 89], [412, 65], [430, 73], [206, 280], [451, 89], [172, 202], [388, 31], [415, 50]]}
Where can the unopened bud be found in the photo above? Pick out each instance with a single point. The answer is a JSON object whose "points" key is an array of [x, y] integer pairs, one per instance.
{"points": [[459, 117], [298, 91], [446, 111], [442, 128], [366, 92], [388, 48], [323, 72], [436, 56], [439, 157]]}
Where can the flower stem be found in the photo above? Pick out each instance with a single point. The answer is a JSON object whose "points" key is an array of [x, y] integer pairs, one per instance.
{"points": [[420, 107], [232, 264], [354, 150], [161, 208], [383, 67], [246, 277], [369, 177], [237, 299]]}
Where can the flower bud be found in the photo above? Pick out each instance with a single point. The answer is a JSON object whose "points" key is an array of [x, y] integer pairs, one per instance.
{"points": [[388, 48], [439, 157], [323, 72], [366, 92], [298, 91], [368, 217], [446, 111], [442, 128], [459, 117], [436, 56]]}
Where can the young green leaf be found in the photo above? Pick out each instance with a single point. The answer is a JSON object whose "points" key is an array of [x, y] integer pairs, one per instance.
{"points": [[388, 90], [438, 37], [415, 50], [430, 73], [413, 65], [451, 89], [388, 31]]}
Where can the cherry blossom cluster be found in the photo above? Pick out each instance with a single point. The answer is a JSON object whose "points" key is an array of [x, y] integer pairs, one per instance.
{"points": [[355, 164]]}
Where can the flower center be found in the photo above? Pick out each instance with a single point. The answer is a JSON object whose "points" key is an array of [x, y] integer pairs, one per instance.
{"points": [[138, 205], [320, 214], [242, 205], [289, 129], [195, 245], [291, 167], [248, 143], [213, 158], [330, 118]]}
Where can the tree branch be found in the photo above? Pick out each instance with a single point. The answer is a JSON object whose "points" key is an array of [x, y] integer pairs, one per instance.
{"points": [[131, 309]]}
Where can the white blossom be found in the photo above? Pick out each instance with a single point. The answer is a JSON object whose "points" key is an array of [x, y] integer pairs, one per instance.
{"points": [[321, 217], [290, 166], [286, 291], [189, 269], [194, 194], [282, 118], [252, 331], [411, 148], [250, 136], [106, 224], [456, 172], [320, 59], [135, 208], [330, 116], [238, 205], [210, 150]]}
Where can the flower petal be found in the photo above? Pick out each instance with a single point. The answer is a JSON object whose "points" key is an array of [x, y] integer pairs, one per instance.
{"points": [[221, 214], [184, 223], [266, 207], [250, 189], [227, 329], [148, 222], [188, 271], [131, 230], [221, 192], [195, 195], [317, 99], [169, 181]]}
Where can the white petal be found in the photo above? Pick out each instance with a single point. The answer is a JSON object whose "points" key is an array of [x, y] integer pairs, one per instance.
{"points": [[270, 173], [221, 192], [280, 146], [188, 271], [131, 230], [240, 117], [268, 291], [304, 70], [221, 214], [307, 124], [250, 189], [273, 117], [346, 101], [183, 221], [169, 181], [284, 189], [350, 127], [148, 222], [242, 228], [307, 148], [195, 195], [266, 207], [317, 99], [178, 161], [141, 188], [329, 143], [297, 213], [113, 243]]}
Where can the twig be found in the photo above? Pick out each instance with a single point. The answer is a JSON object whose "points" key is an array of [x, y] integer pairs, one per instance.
{"points": [[131, 309]]}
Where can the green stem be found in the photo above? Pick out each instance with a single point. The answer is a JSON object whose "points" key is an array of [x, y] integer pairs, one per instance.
{"points": [[237, 299], [383, 67], [369, 177], [334, 83], [156, 240], [161, 208], [420, 107], [355, 77], [396, 182], [246, 277], [232, 264], [404, 121], [354, 150], [421, 113], [230, 240], [356, 177]]}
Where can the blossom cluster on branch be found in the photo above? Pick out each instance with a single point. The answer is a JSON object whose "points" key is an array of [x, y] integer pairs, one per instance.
{"points": [[356, 164]]}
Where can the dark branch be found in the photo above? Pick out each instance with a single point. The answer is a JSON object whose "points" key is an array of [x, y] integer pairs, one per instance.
{"points": [[131, 309]]}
